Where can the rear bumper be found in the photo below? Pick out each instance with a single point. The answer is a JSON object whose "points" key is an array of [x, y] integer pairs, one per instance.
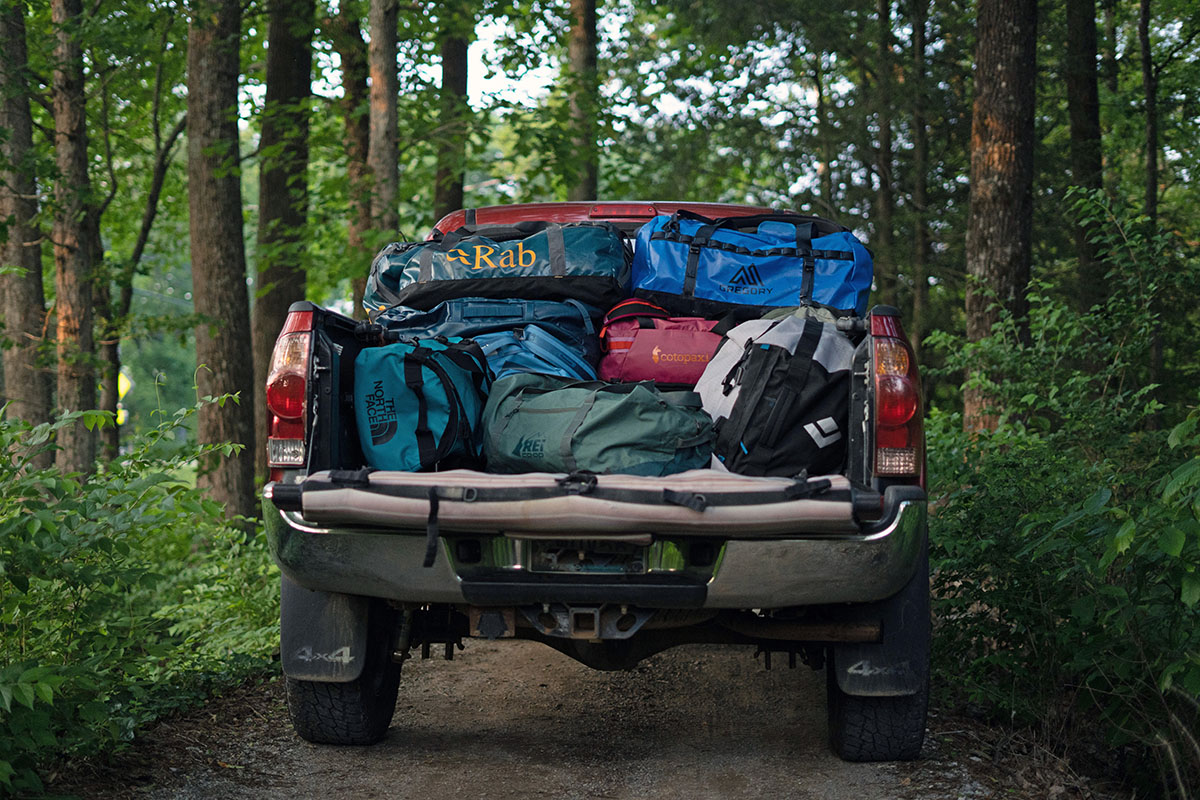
{"points": [[774, 572]]}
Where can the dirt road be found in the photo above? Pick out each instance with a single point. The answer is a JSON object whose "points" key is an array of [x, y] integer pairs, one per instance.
{"points": [[518, 720]]}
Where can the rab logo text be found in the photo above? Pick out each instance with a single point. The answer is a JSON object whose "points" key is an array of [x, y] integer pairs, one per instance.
{"points": [[480, 257], [678, 358]]}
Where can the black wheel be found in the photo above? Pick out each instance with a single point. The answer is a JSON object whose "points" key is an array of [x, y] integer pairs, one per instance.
{"points": [[876, 728], [357, 712], [877, 725]]}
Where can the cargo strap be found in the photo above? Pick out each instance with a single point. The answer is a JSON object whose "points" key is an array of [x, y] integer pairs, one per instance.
{"points": [[431, 528]]}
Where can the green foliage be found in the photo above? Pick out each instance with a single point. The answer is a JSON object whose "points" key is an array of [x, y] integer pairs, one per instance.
{"points": [[1066, 544], [107, 584]]}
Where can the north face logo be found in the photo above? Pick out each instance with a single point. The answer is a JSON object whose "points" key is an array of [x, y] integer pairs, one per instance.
{"points": [[381, 415], [747, 276], [530, 447]]}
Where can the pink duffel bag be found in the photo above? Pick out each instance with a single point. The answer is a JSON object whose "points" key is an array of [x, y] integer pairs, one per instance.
{"points": [[642, 342]]}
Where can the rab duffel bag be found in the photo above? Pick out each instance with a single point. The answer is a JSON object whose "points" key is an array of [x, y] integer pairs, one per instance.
{"points": [[690, 264], [570, 321], [779, 394], [586, 261], [645, 343], [417, 403], [535, 423]]}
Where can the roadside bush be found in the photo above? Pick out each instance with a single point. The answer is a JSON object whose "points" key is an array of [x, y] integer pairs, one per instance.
{"points": [[1066, 543], [122, 596]]}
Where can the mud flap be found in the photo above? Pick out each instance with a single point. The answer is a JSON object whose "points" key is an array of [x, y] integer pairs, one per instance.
{"points": [[322, 635], [898, 665]]}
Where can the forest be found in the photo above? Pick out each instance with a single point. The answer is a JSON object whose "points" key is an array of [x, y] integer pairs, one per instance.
{"points": [[174, 175]]}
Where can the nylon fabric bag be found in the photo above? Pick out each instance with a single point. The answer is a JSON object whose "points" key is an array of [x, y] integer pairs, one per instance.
{"points": [[417, 403], [587, 262], [691, 264], [532, 349], [535, 423], [779, 394], [643, 342], [569, 321]]}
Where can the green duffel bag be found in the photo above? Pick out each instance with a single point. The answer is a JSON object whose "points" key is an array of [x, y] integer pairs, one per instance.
{"points": [[539, 423]]}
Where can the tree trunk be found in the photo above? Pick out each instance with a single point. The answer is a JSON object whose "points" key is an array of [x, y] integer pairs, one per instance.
{"points": [[72, 245], [1109, 56], [346, 33], [382, 152], [223, 355], [1150, 91], [1083, 104], [22, 300], [1001, 202], [452, 142], [584, 100], [885, 203], [282, 190], [920, 134], [824, 141]]}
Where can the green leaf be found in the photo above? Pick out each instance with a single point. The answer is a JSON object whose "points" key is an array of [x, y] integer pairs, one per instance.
{"points": [[1190, 593], [1124, 537], [6, 697], [23, 694], [1171, 541], [1096, 502]]}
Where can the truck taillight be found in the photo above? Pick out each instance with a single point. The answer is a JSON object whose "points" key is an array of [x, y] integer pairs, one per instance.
{"points": [[287, 386], [899, 431]]}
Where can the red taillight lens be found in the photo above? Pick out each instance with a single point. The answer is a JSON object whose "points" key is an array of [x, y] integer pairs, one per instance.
{"points": [[899, 436], [287, 387]]}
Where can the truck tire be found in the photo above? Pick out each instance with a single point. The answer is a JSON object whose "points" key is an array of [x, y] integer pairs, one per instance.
{"points": [[878, 724], [357, 712], [876, 728]]}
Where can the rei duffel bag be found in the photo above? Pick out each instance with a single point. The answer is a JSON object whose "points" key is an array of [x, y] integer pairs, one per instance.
{"points": [[417, 403], [585, 261], [643, 342], [779, 394], [534, 423], [690, 264]]}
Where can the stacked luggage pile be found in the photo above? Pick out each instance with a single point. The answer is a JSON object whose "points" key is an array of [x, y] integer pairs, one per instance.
{"points": [[561, 348]]}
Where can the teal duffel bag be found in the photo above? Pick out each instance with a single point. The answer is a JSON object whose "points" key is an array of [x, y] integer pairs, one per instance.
{"points": [[539, 423], [417, 403]]}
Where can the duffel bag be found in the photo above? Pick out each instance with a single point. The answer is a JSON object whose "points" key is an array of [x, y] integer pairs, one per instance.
{"points": [[534, 423], [585, 261], [643, 342], [570, 321], [417, 403], [690, 264], [532, 349], [779, 394]]}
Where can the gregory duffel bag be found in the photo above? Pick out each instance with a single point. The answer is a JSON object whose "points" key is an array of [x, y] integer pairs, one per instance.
{"points": [[532, 349], [586, 261], [534, 423], [417, 403], [691, 264], [570, 321], [779, 394], [643, 342]]}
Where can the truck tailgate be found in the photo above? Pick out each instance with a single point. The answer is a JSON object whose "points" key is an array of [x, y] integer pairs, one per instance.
{"points": [[697, 502]]}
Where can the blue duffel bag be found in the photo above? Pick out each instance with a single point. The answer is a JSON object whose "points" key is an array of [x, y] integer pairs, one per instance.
{"points": [[690, 264], [570, 321], [534, 350], [417, 403]]}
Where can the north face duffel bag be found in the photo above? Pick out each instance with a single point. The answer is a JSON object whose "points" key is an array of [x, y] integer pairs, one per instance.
{"points": [[535, 423], [690, 264], [585, 261], [417, 403]]}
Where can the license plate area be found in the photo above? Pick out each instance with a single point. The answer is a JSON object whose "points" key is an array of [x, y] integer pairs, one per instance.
{"points": [[587, 557]]}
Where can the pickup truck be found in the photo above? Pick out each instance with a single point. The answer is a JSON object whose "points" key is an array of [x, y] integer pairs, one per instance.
{"points": [[837, 579]]}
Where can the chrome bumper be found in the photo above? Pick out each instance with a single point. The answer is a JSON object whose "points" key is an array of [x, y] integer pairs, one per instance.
{"points": [[750, 573]]}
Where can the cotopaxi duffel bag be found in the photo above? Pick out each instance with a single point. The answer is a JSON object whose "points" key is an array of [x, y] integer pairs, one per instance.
{"points": [[690, 264], [586, 261]]}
